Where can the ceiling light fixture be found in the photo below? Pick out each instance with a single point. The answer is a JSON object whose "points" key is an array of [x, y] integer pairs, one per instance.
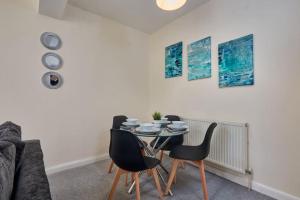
{"points": [[170, 4]]}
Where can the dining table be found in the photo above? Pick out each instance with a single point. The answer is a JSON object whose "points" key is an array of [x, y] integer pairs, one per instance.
{"points": [[158, 133]]}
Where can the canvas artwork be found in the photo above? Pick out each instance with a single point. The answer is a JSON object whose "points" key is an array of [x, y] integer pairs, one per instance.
{"points": [[236, 62], [199, 59], [173, 60]]}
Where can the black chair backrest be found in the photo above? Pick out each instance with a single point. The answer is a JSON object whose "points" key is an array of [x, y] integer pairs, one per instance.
{"points": [[177, 139], [125, 151], [205, 146], [117, 123], [118, 120], [172, 118]]}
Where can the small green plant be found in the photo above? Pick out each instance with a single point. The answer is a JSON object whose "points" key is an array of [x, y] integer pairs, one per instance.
{"points": [[156, 116]]}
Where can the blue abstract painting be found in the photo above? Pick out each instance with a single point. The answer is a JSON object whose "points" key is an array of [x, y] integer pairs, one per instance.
{"points": [[173, 60], [199, 59], [236, 62]]}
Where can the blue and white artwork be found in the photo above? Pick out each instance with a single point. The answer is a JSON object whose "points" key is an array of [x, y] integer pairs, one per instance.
{"points": [[236, 62], [173, 60], [199, 59]]}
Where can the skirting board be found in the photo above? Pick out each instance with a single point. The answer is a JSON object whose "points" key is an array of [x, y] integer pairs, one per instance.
{"points": [[276, 194], [74, 164]]}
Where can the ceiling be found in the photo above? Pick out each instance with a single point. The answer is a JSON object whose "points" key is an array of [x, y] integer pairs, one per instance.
{"points": [[143, 15]]}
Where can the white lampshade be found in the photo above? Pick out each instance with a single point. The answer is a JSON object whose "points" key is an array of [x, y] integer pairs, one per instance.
{"points": [[170, 4]]}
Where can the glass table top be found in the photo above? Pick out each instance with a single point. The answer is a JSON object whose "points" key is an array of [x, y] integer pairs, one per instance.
{"points": [[163, 133]]}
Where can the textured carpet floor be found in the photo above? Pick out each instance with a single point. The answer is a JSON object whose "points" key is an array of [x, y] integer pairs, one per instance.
{"points": [[92, 182]]}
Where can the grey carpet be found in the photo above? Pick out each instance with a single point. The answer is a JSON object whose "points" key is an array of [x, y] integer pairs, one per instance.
{"points": [[92, 182]]}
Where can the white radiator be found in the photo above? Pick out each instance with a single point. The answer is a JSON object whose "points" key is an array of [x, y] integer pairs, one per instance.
{"points": [[229, 144]]}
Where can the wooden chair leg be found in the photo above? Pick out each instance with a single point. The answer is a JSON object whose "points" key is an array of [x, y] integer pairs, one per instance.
{"points": [[161, 155], [132, 178], [182, 164], [115, 183], [172, 175], [110, 166], [175, 178], [137, 185], [203, 179], [155, 177], [126, 179]]}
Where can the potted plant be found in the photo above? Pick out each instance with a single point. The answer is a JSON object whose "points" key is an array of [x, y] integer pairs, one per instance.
{"points": [[156, 116]]}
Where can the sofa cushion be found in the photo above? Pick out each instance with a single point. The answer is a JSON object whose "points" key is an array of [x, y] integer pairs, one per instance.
{"points": [[13, 127], [7, 169], [31, 182], [11, 132]]}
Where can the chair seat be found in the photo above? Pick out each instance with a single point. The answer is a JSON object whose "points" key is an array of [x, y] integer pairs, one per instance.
{"points": [[170, 144], [193, 153], [151, 162]]}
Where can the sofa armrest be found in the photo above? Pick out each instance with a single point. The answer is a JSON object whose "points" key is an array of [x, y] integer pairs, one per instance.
{"points": [[31, 182]]}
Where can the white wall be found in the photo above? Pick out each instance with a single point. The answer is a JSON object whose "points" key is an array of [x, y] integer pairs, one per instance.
{"points": [[271, 106], [104, 72]]}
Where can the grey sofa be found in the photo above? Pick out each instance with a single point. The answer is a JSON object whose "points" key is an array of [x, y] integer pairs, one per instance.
{"points": [[22, 170]]}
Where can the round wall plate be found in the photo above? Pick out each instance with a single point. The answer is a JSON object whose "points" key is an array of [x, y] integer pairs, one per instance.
{"points": [[51, 40], [52, 80], [52, 61]]}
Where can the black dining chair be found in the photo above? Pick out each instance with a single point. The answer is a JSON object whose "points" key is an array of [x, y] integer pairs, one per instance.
{"points": [[195, 154], [126, 154], [174, 141], [117, 123]]}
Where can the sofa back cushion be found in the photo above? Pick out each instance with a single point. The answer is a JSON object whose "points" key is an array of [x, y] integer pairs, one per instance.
{"points": [[16, 130], [7, 169], [31, 182], [11, 132]]}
